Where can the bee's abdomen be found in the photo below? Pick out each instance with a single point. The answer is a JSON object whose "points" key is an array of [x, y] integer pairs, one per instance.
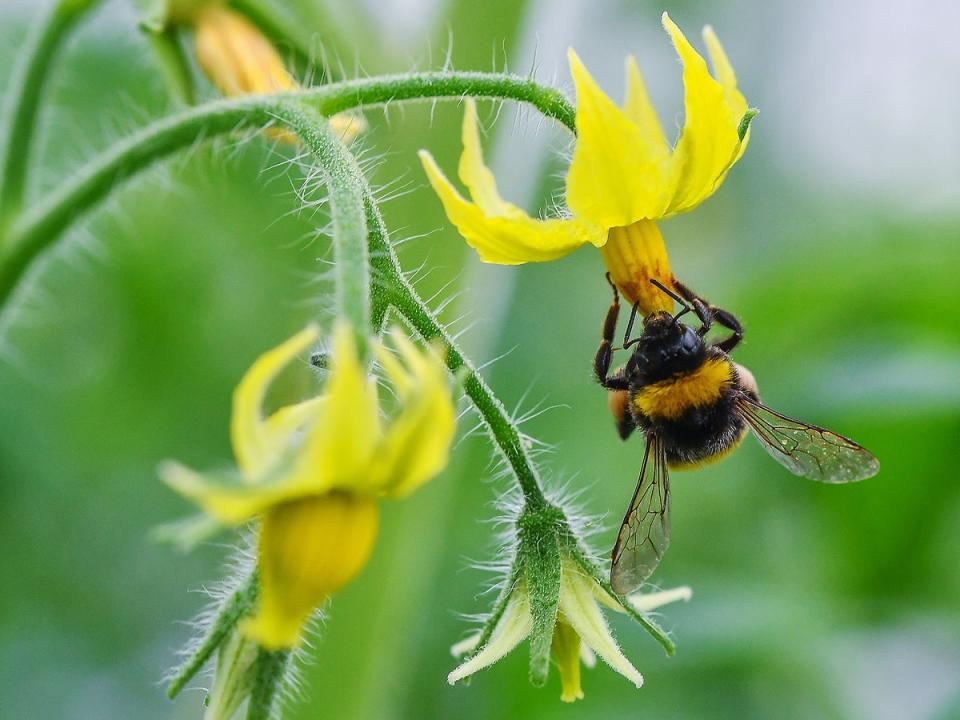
{"points": [[694, 414], [702, 434]]}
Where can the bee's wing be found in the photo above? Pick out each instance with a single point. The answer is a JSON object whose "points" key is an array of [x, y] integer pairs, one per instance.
{"points": [[645, 533], [807, 450]]}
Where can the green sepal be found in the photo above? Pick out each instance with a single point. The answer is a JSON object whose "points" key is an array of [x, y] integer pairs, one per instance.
{"points": [[172, 61], [745, 121], [234, 676], [185, 534], [589, 566], [268, 672], [540, 555], [154, 15], [233, 609]]}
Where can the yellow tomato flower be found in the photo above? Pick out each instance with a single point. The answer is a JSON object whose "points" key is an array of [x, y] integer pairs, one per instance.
{"points": [[312, 472], [240, 60], [622, 178], [580, 632]]}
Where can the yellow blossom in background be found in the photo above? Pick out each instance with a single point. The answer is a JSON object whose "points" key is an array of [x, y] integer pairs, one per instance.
{"points": [[623, 176], [240, 60], [312, 472], [580, 634]]}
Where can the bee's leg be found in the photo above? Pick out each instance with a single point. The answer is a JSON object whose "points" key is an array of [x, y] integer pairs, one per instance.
{"points": [[627, 342], [722, 317], [601, 361], [731, 323]]}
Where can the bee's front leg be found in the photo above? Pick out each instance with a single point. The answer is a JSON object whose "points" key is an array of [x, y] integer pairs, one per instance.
{"points": [[617, 384], [604, 356], [721, 316]]}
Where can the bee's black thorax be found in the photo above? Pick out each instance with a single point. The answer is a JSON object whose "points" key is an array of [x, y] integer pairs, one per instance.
{"points": [[684, 392]]}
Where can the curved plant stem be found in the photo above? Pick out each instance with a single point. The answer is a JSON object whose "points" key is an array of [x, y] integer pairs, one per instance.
{"points": [[39, 229], [504, 431], [385, 89], [23, 98], [344, 182]]}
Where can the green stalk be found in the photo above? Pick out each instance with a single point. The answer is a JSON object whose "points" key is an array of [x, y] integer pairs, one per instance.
{"points": [[343, 179], [417, 313], [23, 99], [269, 669], [39, 229]]}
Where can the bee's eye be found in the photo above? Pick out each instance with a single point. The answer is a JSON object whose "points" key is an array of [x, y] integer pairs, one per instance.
{"points": [[690, 341]]}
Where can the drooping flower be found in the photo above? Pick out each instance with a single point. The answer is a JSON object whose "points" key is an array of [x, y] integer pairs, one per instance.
{"points": [[312, 472], [578, 630], [239, 60], [623, 176]]}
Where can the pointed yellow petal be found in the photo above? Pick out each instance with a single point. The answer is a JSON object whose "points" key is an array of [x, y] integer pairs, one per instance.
{"points": [[565, 649], [416, 444], [231, 504], [511, 238], [615, 178], [642, 113], [513, 627], [308, 549], [281, 428], [338, 451], [400, 378], [253, 447], [473, 172], [709, 143], [634, 254], [578, 607], [723, 71]]}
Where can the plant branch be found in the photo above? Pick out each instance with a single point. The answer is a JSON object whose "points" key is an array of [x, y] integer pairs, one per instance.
{"points": [[503, 430], [23, 99], [39, 229], [344, 182], [269, 669]]}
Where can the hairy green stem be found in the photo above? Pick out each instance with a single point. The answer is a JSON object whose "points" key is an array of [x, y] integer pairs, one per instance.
{"points": [[269, 669], [39, 229], [417, 313], [344, 182], [233, 609], [23, 99]]}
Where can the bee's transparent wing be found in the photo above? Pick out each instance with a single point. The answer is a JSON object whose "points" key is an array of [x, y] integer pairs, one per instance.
{"points": [[807, 450], [645, 533]]}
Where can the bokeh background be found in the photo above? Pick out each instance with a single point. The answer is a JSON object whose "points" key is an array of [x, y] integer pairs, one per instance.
{"points": [[835, 240]]}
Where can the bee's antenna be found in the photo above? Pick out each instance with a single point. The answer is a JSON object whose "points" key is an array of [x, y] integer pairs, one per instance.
{"points": [[683, 303]]}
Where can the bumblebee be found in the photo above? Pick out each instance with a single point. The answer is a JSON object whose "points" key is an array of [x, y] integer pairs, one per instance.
{"points": [[694, 406]]}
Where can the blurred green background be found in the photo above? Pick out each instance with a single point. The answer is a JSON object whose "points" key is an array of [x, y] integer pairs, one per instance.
{"points": [[835, 240]]}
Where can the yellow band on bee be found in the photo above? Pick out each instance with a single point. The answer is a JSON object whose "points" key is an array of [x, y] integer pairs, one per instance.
{"points": [[669, 399]]}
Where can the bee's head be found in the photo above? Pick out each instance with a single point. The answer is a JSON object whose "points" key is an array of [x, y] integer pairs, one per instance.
{"points": [[667, 346]]}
